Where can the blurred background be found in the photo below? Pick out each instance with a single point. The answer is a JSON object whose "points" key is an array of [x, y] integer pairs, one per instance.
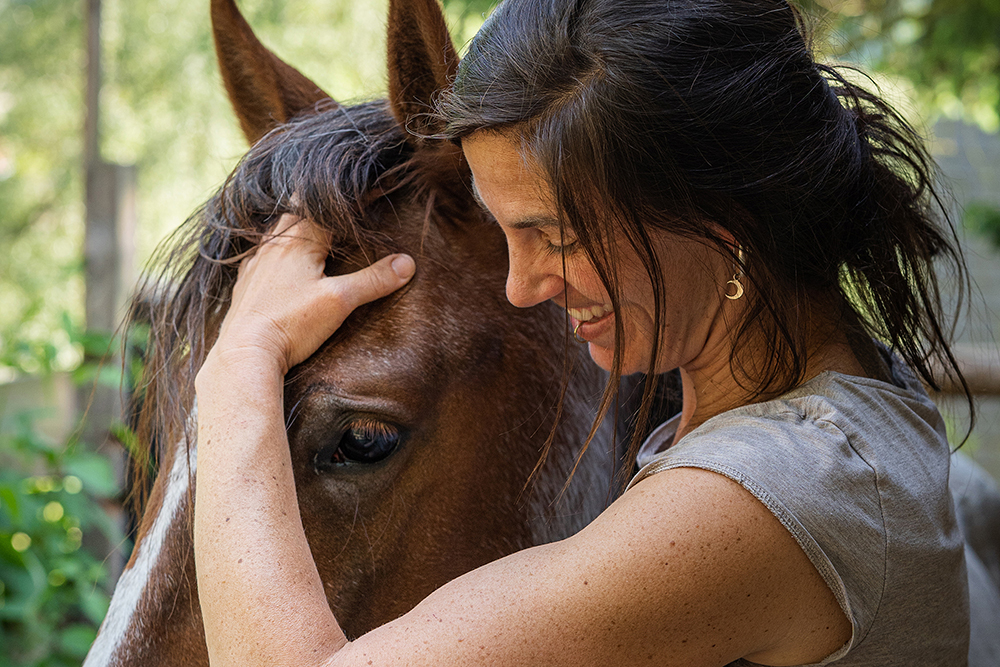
{"points": [[125, 95]]}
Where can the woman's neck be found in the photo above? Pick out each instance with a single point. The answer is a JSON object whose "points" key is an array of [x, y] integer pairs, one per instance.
{"points": [[710, 385]]}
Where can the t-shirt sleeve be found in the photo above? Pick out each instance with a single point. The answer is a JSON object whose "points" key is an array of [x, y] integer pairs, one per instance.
{"points": [[806, 473]]}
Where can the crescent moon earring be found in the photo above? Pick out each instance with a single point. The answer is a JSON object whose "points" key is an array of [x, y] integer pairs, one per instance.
{"points": [[734, 288]]}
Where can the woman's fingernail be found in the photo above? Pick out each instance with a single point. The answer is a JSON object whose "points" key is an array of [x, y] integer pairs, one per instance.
{"points": [[404, 266]]}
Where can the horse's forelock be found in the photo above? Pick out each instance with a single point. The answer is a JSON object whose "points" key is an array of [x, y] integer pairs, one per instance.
{"points": [[334, 166], [327, 166]]}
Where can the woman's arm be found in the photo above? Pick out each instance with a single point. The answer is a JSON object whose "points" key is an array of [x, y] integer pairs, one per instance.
{"points": [[687, 568], [261, 596]]}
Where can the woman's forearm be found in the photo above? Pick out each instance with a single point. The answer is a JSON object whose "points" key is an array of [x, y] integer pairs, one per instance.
{"points": [[261, 595]]}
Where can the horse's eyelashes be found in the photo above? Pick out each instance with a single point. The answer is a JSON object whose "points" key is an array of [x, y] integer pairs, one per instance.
{"points": [[368, 441], [362, 441]]}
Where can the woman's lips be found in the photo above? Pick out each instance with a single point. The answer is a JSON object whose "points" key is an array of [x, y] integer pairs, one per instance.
{"points": [[591, 328]]}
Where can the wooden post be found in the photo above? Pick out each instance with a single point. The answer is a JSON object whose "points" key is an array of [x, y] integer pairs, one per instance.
{"points": [[981, 366], [109, 245], [109, 249], [91, 124]]}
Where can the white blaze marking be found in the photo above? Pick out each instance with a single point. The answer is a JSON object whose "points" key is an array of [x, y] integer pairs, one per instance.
{"points": [[133, 582]]}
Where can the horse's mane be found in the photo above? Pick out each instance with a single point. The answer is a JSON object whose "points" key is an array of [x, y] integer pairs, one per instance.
{"points": [[336, 166], [344, 167]]}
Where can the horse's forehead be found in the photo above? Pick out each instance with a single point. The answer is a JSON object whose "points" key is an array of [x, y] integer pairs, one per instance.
{"points": [[448, 324], [409, 339]]}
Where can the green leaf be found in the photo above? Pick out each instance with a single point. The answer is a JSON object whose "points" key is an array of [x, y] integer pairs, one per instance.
{"points": [[984, 218], [9, 498], [95, 471]]}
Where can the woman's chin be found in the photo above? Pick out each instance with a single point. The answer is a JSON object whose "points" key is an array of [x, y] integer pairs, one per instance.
{"points": [[602, 356], [605, 357]]}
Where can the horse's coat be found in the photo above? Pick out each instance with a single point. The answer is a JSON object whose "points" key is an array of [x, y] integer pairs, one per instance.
{"points": [[465, 385], [122, 623]]}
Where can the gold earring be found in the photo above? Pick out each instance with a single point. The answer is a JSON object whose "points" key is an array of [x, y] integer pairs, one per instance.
{"points": [[738, 272]]}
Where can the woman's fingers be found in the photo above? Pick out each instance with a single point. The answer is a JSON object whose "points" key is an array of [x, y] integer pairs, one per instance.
{"points": [[290, 228], [285, 222], [283, 305], [372, 282]]}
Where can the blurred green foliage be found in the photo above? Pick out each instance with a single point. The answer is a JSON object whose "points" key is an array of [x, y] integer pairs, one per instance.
{"points": [[947, 51], [984, 218], [40, 124], [53, 492], [52, 591]]}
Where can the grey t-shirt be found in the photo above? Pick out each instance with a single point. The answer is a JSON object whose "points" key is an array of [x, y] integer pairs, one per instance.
{"points": [[857, 471]]}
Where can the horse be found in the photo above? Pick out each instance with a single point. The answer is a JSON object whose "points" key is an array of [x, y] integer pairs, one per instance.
{"points": [[415, 429]]}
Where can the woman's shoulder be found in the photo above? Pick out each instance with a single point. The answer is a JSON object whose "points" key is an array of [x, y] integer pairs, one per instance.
{"points": [[843, 461], [829, 422], [856, 470]]}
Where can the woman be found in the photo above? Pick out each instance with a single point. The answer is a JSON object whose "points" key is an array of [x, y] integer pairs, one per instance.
{"points": [[698, 194]]}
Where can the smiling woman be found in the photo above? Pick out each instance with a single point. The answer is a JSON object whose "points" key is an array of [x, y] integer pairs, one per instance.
{"points": [[643, 158], [547, 262]]}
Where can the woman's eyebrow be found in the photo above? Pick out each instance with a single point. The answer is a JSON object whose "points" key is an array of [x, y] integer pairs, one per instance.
{"points": [[527, 222], [534, 222]]}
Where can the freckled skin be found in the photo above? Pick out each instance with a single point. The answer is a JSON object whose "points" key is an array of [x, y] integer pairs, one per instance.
{"points": [[731, 564]]}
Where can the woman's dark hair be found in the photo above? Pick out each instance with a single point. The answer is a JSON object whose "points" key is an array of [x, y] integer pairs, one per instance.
{"points": [[711, 119]]}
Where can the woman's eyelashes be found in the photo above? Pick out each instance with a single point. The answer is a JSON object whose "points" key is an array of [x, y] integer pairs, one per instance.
{"points": [[565, 249], [561, 243]]}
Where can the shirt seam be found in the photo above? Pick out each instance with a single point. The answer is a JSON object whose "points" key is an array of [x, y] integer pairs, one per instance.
{"points": [[885, 530]]}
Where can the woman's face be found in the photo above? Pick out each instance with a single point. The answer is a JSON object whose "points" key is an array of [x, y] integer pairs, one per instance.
{"points": [[513, 189]]}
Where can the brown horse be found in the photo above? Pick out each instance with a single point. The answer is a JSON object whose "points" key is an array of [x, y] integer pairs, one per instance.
{"points": [[414, 431]]}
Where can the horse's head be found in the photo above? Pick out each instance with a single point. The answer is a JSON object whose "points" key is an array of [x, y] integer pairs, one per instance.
{"points": [[413, 430]]}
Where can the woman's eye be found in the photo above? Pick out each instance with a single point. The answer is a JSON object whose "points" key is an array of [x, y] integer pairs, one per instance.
{"points": [[364, 441], [565, 245], [567, 249]]}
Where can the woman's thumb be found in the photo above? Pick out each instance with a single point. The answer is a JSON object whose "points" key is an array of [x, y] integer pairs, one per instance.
{"points": [[376, 281], [403, 266]]}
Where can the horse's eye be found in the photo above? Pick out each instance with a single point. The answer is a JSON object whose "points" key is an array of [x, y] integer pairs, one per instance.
{"points": [[364, 441]]}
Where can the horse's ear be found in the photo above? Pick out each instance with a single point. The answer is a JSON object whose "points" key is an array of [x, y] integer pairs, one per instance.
{"points": [[264, 91], [422, 62]]}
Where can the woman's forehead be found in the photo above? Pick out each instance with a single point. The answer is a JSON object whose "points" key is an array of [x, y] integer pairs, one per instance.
{"points": [[493, 151], [508, 183]]}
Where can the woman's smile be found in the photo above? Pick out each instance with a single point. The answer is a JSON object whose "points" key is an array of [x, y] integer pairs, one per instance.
{"points": [[594, 323], [511, 187], [589, 313]]}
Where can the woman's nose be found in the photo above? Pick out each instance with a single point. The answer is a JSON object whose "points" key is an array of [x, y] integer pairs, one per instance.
{"points": [[530, 280]]}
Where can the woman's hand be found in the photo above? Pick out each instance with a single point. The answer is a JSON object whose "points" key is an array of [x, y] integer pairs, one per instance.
{"points": [[284, 307]]}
